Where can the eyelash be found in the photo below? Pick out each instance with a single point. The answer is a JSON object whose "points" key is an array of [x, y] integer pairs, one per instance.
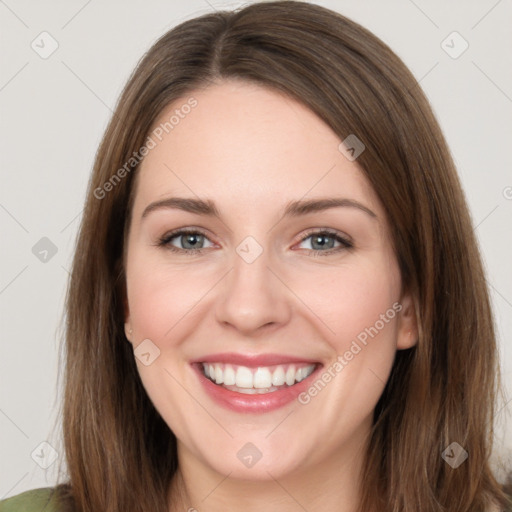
{"points": [[166, 239]]}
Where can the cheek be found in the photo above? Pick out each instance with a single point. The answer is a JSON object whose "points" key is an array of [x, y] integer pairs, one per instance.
{"points": [[160, 296], [360, 305], [351, 299], [357, 309]]}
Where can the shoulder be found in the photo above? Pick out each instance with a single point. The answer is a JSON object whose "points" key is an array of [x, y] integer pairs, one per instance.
{"points": [[43, 499]]}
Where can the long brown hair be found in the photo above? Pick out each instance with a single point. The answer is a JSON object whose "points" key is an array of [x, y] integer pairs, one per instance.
{"points": [[121, 455]]}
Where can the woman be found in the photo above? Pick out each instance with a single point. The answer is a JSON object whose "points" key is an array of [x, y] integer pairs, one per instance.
{"points": [[214, 361]]}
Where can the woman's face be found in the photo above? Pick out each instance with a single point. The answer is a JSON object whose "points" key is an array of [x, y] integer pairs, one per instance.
{"points": [[295, 309]]}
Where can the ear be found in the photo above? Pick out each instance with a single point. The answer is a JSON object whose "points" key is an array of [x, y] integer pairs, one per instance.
{"points": [[128, 332], [407, 335]]}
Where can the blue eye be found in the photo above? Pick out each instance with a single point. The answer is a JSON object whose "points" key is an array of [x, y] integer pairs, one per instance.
{"points": [[322, 242], [192, 242]]}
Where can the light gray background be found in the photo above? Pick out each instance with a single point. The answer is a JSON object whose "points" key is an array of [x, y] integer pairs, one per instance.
{"points": [[54, 112]]}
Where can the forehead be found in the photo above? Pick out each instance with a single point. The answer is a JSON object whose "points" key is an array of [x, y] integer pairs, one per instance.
{"points": [[245, 144]]}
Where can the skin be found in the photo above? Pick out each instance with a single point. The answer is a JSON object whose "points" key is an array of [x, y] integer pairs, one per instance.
{"points": [[251, 151]]}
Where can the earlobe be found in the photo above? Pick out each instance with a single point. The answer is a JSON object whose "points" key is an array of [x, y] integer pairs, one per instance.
{"points": [[128, 331], [407, 335]]}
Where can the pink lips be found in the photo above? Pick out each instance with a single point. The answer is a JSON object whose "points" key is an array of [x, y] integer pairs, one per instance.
{"points": [[257, 403]]}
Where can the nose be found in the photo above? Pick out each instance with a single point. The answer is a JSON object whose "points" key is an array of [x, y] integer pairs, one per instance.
{"points": [[253, 298]]}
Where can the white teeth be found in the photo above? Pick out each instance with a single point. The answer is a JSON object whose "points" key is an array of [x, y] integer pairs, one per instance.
{"points": [[278, 377], [290, 375], [219, 377], [252, 391], [229, 376], [302, 373], [243, 377], [262, 378], [256, 380]]}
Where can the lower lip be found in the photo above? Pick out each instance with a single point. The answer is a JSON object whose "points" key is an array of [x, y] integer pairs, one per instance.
{"points": [[257, 403]]}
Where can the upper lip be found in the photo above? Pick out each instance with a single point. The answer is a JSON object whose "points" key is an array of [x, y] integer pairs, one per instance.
{"points": [[252, 360]]}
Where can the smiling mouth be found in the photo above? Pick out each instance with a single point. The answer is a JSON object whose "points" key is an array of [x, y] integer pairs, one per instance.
{"points": [[258, 380]]}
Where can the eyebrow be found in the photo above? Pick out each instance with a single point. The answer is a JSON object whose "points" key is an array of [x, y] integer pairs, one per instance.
{"points": [[292, 209]]}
